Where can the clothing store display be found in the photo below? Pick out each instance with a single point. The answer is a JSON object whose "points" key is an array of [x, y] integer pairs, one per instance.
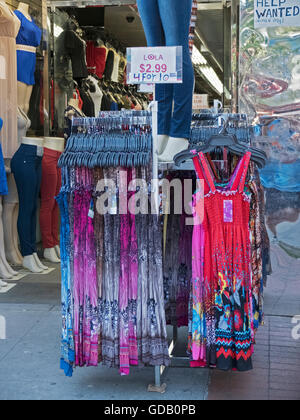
{"points": [[26, 165], [28, 39], [9, 27], [116, 315], [3, 179], [50, 187], [76, 49], [166, 23]]}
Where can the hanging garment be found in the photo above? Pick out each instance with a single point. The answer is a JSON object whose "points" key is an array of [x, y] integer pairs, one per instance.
{"points": [[28, 39], [109, 66], [76, 49], [9, 27], [227, 274]]}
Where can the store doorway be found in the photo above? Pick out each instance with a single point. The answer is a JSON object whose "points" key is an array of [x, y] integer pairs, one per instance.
{"points": [[119, 27]]}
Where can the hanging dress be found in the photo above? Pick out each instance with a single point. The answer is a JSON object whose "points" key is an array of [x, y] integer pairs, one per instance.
{"points": [[227, 272]]}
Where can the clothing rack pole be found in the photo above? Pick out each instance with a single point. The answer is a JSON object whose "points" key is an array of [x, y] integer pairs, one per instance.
{"points": [[158, 370]]}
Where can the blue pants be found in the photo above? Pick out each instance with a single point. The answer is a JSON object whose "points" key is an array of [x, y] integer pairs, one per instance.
{"points": [[167, 23], [27, 169]]}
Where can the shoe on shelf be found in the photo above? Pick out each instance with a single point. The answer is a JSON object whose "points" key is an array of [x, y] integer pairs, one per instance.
{"points": [[39, 263], [174, 146], [50, 255], [30, 264]]}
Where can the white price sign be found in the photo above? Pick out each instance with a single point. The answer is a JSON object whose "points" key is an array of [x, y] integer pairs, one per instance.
{"points": [[274, 13], [154, 65]]}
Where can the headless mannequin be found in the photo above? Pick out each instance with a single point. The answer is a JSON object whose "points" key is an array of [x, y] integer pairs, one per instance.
{"points": [[56, 144], [5, 270], [11, 207], [24, 91], [32, 262]]}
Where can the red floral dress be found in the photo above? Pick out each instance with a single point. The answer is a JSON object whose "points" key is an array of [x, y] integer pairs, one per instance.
{"points": [[227, 267]]}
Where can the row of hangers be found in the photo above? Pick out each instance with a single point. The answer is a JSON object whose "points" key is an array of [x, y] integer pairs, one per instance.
{"points": [[227, 140]]}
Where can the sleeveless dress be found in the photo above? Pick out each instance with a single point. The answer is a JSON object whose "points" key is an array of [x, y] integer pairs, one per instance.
{"points": [[226, 277]]}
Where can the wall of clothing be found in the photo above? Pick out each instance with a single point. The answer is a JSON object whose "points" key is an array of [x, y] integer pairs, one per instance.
{"points": [[89, 66]]}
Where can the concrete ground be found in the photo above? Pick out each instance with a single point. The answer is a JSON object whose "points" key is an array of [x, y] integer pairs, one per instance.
{"points": [[29, 356]]}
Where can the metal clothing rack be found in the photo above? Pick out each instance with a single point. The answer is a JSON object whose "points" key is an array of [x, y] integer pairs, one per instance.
{"points": [[159, 371]]}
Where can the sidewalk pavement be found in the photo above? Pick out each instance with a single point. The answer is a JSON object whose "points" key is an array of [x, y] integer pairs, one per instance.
{"points": [[276, 373], [29, 357]]}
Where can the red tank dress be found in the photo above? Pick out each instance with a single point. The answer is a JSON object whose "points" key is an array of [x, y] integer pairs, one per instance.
{"points": [[227, 267]]}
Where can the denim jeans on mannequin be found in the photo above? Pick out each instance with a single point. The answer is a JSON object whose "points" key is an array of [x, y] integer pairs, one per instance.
{"points": [[167, 23], [26, 166]]}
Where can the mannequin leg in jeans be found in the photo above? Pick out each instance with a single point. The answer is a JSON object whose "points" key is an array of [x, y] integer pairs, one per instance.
{"points": [[149, 12], [27, 169], [170, 20]]}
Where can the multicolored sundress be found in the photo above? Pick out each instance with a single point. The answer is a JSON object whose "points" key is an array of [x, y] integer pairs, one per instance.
{"points": [[226, 307]]}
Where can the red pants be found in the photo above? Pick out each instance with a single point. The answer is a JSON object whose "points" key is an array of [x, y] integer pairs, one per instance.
{"points": [[50, 187]]}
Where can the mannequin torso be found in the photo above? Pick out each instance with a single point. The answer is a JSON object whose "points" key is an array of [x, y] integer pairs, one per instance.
{"points": [[23, 124], [28, 39]]}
